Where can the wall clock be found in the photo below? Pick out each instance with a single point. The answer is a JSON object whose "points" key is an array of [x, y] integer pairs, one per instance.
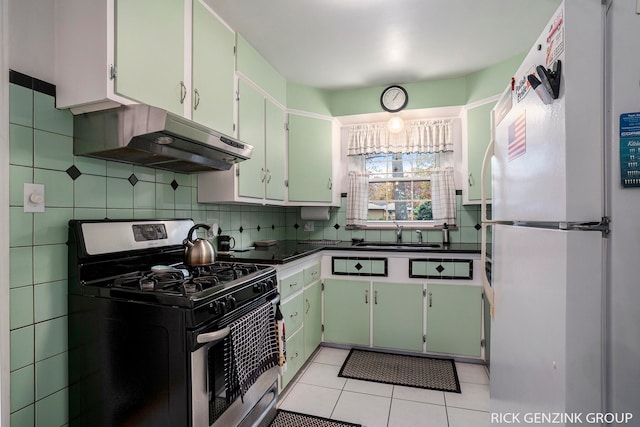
{"points": [[394, 98]]}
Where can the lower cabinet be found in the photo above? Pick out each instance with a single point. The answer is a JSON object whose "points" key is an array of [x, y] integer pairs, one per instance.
{"points": [[397, 315], [312, 307], [346, 311], [454, 315], [295, 356]]}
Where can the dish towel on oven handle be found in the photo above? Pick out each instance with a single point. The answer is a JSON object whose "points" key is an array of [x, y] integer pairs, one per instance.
{"points": [[251, 349], [282, 342]]}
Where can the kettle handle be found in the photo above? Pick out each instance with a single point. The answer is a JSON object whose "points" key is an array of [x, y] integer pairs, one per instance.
{"points": [[194, 228]]}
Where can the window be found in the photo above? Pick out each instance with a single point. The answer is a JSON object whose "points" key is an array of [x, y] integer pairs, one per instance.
{"points": [[400, 186]]}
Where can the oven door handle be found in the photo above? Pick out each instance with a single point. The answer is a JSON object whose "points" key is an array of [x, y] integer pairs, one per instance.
{"points": [[210, 337], [213, 336]]}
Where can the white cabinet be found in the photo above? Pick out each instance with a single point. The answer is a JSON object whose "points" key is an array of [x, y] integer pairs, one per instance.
{"points": [[477, 134], [113, 52]]}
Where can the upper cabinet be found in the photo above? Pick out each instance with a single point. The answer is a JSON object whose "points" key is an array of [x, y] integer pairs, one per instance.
{"points": [[180, 57], [477, 137], [213, 68], [310, 159]]}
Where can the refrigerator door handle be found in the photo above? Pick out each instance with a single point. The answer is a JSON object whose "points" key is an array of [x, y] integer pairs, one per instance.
{"points": [[486, 285]]}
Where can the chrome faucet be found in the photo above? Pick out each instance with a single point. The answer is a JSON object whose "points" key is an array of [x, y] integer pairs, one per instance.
{"points": [[398, 232], [419, 233]]}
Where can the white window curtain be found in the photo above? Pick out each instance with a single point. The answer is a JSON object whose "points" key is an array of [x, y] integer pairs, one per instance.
{"points": [[419, 136]]}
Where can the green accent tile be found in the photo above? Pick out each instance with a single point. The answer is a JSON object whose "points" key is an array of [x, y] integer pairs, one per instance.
{"points": [[58, 187], [20, 105], [52, 375], [51, 226], [53, 411], [22, 387], [22, 347], [91, 166], [165, 213], [50, 263], [144, 213], [469, 235], [144, 173], [50, 300], [183, 179], [194, 180], [51, 338], [119, 170], [185, 213], [194, 199], [144, 195], [183, 198], [21, 306], [25, 417], [52, 151], [18, 176], [20, 266], [164, 176], [89, 213], [468, 217], [119, 213], [165, 196], [90, 191], [119, 193], [47, 117], [372, 235], [21, 232], [20, 145]]}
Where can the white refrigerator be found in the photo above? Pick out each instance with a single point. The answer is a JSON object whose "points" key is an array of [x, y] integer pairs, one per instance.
{"points": [[549, 241]]}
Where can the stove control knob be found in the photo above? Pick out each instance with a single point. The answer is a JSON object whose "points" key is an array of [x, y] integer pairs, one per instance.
{"points": [[231, 303], [217, 307], [271, 284]]}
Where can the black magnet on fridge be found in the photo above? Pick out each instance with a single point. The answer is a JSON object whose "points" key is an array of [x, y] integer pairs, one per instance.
{"points": [[548, 85]]}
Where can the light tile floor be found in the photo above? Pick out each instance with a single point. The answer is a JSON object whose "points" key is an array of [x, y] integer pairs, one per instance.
{"points": [[317, 390]]}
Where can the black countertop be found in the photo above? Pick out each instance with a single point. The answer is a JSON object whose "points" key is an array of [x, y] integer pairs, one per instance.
{"points": [[285, 251]]}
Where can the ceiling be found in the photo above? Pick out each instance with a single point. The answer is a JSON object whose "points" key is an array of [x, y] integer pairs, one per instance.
{"points": [[344, 44]]}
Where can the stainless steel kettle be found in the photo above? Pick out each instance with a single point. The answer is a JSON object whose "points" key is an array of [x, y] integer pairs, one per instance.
{"points": [[199, 251]]}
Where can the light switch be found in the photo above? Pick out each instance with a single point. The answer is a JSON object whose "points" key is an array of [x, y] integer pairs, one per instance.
{"points": [[308, 226], [33, 197]]}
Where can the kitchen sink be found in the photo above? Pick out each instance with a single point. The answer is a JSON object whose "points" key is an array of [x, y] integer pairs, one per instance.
{"points": [[393, 245]]}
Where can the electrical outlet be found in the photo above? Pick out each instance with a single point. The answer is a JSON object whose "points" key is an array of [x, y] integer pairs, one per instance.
{"points": [[308, 226]]}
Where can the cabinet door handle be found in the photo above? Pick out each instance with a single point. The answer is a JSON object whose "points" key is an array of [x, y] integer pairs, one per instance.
{"points": [[264, 175], [196, 96], [430, 299], [366, 297], [330, 185], [308, 306], [293, 284], [294, 314], [375, 297], [470, 179], [268, 176], [183, 92]]}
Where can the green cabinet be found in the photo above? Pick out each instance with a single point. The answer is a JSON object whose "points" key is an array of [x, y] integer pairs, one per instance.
{"points": [[261, 123], [397, 315], [454, 319], [251, 130], [295, 356], [478, 137], [346, 311], [213, 67], [312, 306], [149, 52], [310, 159]]}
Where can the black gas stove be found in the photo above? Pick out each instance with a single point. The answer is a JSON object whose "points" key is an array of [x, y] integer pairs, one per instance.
{"points": [[147, 333]]}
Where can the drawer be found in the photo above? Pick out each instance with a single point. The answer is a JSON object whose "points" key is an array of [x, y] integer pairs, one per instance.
{"points": [[440, 268], [295, 357], [311, 274], [291, 284], [359, 266], [293, 313]]}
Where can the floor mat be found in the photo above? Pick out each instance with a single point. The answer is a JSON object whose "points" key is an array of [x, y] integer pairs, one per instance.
{"points": [[398, 369], [295, 419]]}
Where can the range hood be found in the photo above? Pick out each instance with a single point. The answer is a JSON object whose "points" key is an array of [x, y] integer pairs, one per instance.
{"points": [[153, 137]]}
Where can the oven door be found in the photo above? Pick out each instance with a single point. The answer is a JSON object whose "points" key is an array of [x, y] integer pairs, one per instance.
{"points": [[209, 399]]}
